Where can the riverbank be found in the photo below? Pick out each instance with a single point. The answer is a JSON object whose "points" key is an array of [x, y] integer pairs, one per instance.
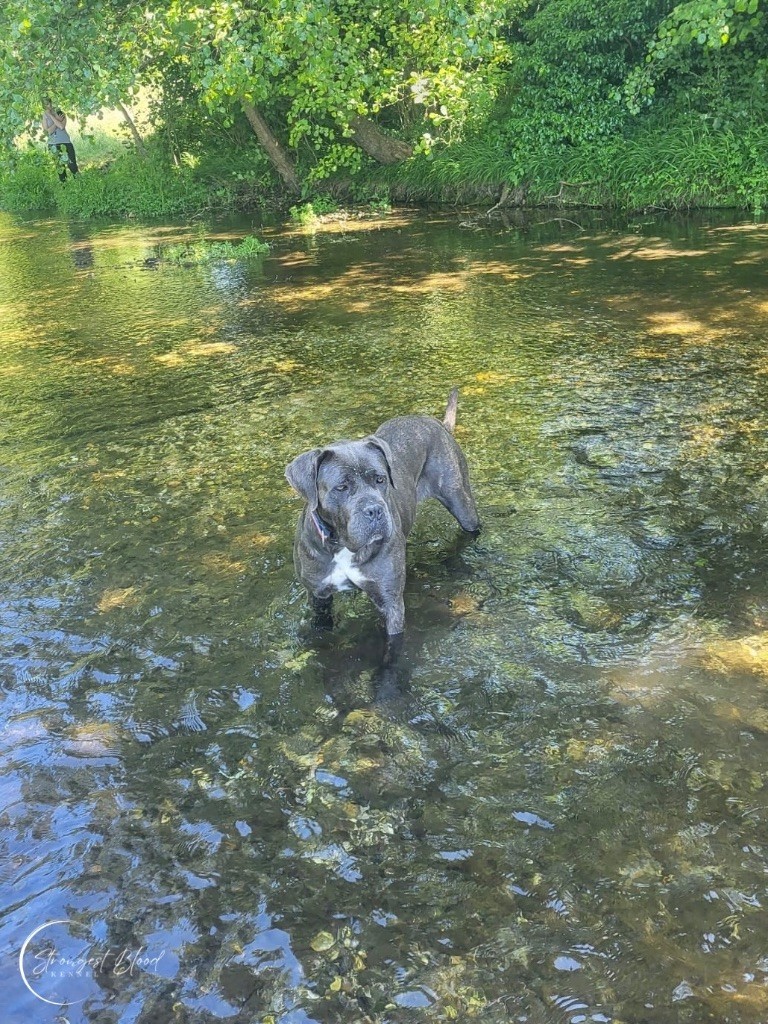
{"points": [[678, 168]]}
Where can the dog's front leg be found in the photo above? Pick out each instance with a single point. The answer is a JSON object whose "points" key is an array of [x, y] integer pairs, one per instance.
{"points": [[394, 616], [390, 604]]}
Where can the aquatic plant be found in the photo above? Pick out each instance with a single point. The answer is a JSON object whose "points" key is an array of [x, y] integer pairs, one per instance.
{"points": [[202, 251], [309, 213]]}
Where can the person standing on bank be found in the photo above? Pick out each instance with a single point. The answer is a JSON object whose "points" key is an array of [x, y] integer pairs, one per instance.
{"points": [[55, 124]]}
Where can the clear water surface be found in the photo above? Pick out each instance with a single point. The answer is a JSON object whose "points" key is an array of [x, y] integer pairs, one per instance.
{"points": [[553, 808]]}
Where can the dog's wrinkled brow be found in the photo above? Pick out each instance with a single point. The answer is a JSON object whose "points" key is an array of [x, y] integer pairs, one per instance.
{"points": [[352, 459]]}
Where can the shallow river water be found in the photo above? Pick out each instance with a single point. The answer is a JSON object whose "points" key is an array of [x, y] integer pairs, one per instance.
{"points": [[552, 808]]}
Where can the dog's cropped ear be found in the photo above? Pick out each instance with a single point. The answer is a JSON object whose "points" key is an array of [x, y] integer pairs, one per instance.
{"points": [[301, 474], [386, 451]]}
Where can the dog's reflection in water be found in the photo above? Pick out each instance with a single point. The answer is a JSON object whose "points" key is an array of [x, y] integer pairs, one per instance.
{"points": [[374, 675]]}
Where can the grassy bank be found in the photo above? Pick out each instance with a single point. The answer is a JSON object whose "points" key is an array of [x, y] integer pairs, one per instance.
{"points": [[114, 181], [666, 166]]}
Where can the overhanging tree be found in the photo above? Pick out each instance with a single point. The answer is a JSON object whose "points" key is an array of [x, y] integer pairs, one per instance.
{"points": [[326, 79], [86, 56]]}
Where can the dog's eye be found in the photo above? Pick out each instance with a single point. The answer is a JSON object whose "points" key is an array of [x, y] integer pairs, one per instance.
{"points": [[380, 479], [341, 487]]}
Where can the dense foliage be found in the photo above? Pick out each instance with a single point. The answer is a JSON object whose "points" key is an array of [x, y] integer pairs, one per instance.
{"points": [[629, 102]]}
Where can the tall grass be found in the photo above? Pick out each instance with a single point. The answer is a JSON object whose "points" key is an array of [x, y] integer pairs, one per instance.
{"points": [[671, 164], [29, 182], [114, 180], [680, 166], [667, 164]]}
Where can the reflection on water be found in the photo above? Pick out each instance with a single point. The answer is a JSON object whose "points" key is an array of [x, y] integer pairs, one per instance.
{"points": [[552, 807]]}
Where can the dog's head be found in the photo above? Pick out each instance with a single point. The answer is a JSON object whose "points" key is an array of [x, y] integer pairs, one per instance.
{"points": [[347, 486]]}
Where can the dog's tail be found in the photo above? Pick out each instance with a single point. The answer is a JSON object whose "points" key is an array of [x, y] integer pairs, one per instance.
{"points": [[449, 420]]}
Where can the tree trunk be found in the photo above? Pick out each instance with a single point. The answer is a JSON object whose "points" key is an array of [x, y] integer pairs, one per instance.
{"points": [[280, 160], [386, 149], [137, 139]]}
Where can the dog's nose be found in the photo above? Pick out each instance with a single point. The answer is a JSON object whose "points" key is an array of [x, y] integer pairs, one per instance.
{"points": [[373, 512]]}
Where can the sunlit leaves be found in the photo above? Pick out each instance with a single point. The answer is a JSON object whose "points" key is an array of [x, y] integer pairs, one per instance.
{"points": [[86, 57], [324, 63], [689, 27]]}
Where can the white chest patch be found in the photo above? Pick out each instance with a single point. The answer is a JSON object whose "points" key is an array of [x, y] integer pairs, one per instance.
{"points": [[344, 575]]}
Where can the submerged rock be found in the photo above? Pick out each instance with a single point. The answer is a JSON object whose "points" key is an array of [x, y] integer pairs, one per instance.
{"points": [[747, 655]]}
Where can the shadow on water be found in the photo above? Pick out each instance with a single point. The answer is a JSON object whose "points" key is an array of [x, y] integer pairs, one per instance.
{"points": [[549, 804]]}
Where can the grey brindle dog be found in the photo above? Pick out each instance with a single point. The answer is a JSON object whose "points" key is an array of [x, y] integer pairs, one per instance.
{"points": [[361, 503]]}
